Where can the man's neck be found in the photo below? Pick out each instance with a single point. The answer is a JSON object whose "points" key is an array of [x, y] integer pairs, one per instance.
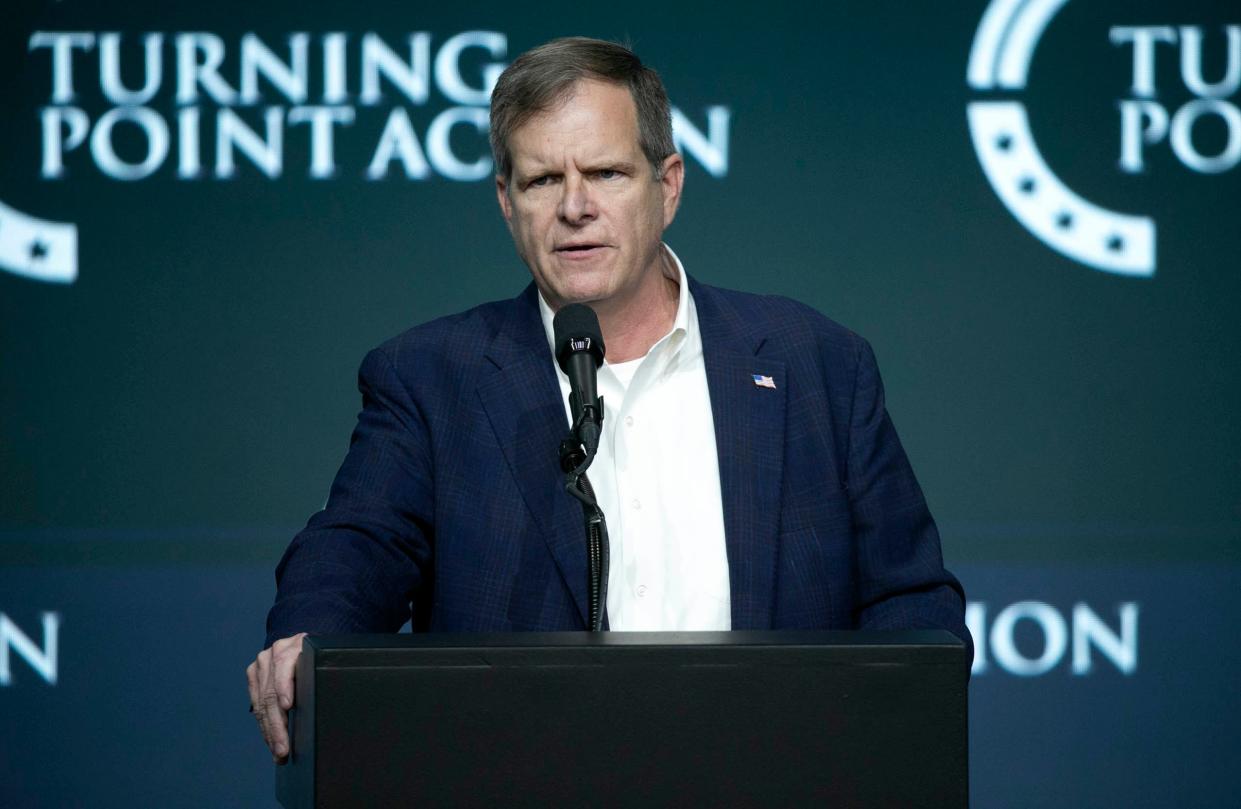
{"points": [[634, 326]]}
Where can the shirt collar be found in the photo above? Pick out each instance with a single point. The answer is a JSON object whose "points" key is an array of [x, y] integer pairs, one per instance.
{"points": [[680, 324]]}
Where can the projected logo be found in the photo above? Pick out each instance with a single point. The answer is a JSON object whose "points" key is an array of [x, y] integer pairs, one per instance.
{"points": [[44, 660], [36, 248], [1065, 221], [1007, 638], [200, 107]]}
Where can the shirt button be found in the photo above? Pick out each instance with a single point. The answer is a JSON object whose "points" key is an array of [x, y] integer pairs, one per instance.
{"points": [[641, 590], [628, 421], [636, 503]]}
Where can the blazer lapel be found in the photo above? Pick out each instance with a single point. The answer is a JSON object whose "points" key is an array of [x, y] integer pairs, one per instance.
{"points": [[521, 397], [749, 439]]}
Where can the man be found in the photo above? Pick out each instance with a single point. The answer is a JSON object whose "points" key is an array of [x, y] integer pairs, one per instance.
{"points": [[749, 472]]}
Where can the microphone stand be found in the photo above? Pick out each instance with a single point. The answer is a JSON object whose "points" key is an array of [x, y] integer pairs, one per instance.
{"points": [[574, 461]]}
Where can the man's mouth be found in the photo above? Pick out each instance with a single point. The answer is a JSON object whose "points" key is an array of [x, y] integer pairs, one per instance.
{"points": [[580, 250]]}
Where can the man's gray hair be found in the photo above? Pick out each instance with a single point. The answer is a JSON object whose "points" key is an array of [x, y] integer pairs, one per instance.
{"points": [[541, 78]]}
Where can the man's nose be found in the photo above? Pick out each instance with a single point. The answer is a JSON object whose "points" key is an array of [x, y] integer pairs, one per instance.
{"points": [[577, 203]]}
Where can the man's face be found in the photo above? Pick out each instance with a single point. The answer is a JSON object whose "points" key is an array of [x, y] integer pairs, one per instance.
{"points": [[583, 204]]}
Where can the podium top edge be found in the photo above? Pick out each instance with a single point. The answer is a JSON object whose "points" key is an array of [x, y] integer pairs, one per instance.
{"points": [[935, 638]]}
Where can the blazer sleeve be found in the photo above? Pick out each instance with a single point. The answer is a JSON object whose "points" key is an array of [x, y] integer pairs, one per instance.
{"points": [[902, 583], [359, 563]]}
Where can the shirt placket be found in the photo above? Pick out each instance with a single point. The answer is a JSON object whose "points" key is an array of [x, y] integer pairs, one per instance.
{"points": [[644, 401], [631, 468]]}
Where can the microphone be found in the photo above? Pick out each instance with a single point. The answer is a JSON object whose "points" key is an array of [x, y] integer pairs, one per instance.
{"points": [[579, 352]]}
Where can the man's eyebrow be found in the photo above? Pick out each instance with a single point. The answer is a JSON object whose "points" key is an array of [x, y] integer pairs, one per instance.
{"points": [[536, 168], [532, 166], [614, 165]]}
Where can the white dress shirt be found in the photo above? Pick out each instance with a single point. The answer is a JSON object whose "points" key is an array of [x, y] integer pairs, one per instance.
{"points": [[657, 478]]}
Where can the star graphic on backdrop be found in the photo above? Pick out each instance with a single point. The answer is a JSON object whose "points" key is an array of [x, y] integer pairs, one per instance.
{"points": [[38, 250], [1115, 243], [1064, 220], [1004, 142], [1027, 185]]}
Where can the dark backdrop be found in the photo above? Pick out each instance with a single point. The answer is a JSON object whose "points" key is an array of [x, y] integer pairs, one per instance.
{"points": [[171, 416]]}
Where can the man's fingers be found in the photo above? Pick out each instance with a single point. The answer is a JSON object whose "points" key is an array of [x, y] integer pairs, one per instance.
{"points": [[265, 703], [252, 685], [274, 724], [285, 663], [271, 686], [270, 680]]}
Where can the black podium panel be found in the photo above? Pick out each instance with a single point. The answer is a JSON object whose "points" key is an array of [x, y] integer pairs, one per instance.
{"points": [[842, 719]]}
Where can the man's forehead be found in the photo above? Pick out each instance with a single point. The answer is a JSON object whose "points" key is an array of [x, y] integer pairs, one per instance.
{"points": [[590, 90], [593, 119]]}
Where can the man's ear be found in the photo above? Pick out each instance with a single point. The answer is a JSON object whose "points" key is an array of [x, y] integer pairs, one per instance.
{"points": [[671, 181], [506, 204]]}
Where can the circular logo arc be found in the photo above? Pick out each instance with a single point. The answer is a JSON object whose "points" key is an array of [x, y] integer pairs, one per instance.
{"points": [[1062, 219]]}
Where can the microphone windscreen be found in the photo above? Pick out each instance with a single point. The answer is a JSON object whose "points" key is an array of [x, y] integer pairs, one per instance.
{"points": [[576, 328]]}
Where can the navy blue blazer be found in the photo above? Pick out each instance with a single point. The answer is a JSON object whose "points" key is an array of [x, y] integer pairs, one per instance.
{"points": [[449, 505]]}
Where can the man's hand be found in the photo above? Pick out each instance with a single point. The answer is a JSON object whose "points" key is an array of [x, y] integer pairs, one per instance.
{"points": [[271, 692]]}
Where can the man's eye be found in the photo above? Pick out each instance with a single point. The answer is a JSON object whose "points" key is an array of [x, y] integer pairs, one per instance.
{"points": [[607, 174], [539, 182]]}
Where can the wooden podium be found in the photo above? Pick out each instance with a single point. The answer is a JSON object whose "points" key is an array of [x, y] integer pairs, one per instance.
{"points": [[840, 719]]}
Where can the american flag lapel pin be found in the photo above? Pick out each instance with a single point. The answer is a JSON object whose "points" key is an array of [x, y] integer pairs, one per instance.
{"points": [[761, 381]]}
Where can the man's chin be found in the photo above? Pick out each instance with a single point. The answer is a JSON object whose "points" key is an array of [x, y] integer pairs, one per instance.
{"points": [[589, 291], [591, 299]]}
